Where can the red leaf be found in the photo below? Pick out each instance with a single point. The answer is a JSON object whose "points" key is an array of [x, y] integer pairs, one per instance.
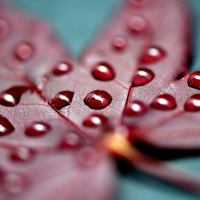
{"points": [[56, 113]]}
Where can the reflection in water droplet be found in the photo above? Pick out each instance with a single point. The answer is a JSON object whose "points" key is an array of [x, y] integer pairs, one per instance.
{"points": [[119, 43], [164, 102], [37, 129], [62, 99], [135, 108], [5, 126], [194, 80], [24, 51], [193, 103], [98, 99], [62, 68], [95, 120]]}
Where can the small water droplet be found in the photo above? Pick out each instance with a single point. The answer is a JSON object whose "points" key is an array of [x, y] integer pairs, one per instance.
{"points": [[136, 24], [5, 126], [138, 2], [193, 103], [12, 96], [164, 102], [135, 108], [87, 156], [62, 99], [14, 183], [194, 80], [98, 99], [37, 129], [70, 141], [103, 71], [3, 28], [153, 54], [119, 43], [95, 120], [21, 154], [62, 68], [142, 77], [24, 51]]}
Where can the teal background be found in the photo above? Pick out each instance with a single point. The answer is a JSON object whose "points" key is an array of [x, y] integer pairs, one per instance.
{"points": [[77, 22]]}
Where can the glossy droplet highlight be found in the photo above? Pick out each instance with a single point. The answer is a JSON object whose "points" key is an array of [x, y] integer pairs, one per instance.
{"points": [[14, 183], [194, 80], [95, 120], [193, 103], [98, 99], [3, 28], [37, 129], [21, 154], [164, 102], [62, 68], [5, 126], [62, 99], [142, 77], [11, 97], [119, 43], [153, 54], [103, 71], [24, 51], [135, 108], [136, 24], [70, 141]]}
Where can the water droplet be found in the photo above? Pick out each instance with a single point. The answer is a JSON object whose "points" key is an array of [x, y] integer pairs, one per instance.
{"points": [[193, 103], [119, 43], [12, 96], [3, 28], [152, 54], [194, 80], [135, 108], [87, 156], [139, 2], [14, 183], [142, 77], [37, 129], [103, 71], [136, 24], [164, 102], [62, 99], [70, 141], [95, 120], [5, 126], [62, 68], [21, 154], [98, 99], [24, 51]]}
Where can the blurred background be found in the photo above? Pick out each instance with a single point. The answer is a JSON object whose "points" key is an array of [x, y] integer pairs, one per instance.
{"points": [[77, 22]]}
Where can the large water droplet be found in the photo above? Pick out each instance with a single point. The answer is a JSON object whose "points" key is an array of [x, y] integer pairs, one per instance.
{"points": [[21, 154], [24, 51], [12, 96], [3, 28], [70, 141], [5, 126], [62, 99], [136, 24], [142, 77], [95, 120], [119, 43], [135, 108], [103, 71], [153, 54], [14, 183], [164, 102], [98, 99], [194, 80], [37, 129], [62, 68], [193, 103]]}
